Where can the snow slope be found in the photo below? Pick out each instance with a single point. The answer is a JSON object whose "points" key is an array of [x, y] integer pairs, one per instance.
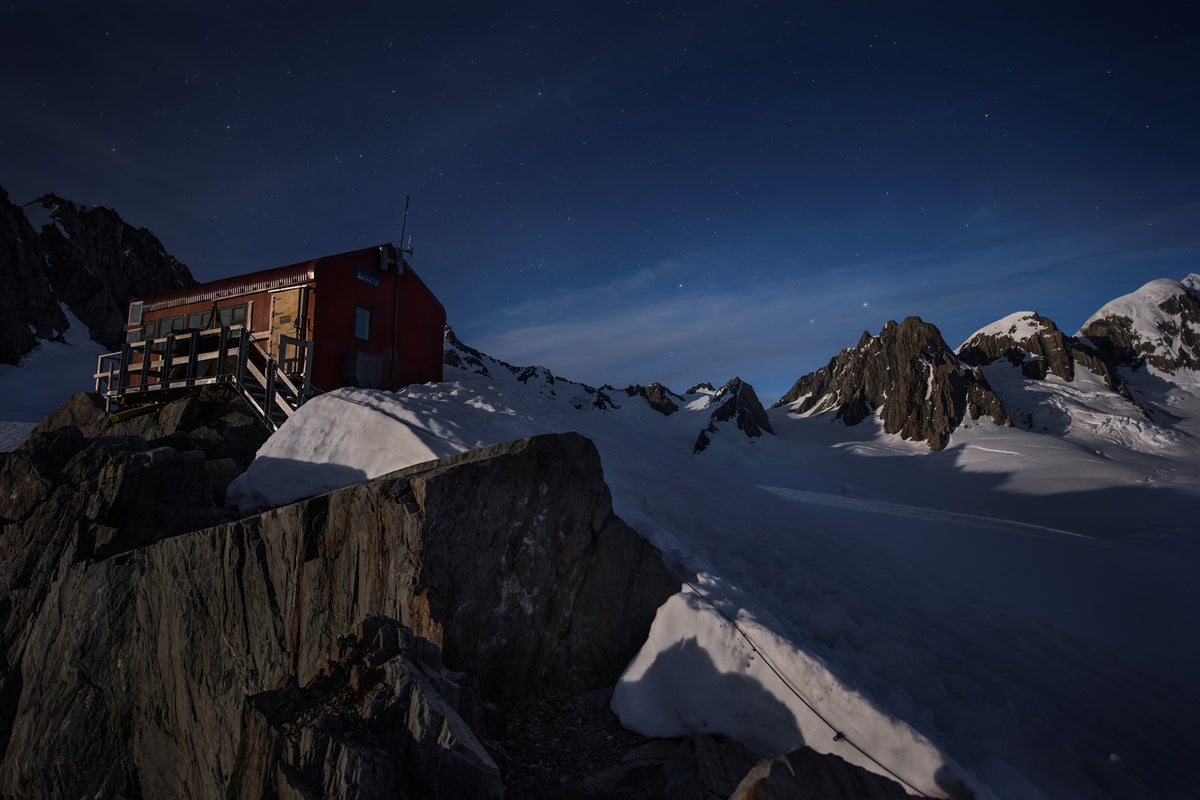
{"points": [[1014, 614], [45, 378], [1020, 325]]}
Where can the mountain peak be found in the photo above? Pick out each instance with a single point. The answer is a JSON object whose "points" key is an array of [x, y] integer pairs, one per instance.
{"points": [[1157, 325], [908, 375]]}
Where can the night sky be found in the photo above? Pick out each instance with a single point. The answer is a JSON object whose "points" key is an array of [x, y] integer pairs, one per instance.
{"points": [[640, 191]]}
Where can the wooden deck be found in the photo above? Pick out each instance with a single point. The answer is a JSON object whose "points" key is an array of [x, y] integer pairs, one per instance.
{"points": [[143, 371]]}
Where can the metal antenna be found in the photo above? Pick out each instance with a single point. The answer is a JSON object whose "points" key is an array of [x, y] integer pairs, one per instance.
{"points": [[403, 225]]}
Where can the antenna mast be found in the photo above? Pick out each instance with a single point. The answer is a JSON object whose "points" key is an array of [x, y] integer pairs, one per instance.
{"points": [[403, 226]]}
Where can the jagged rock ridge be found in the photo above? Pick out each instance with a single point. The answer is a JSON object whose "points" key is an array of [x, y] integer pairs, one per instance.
{"points": [[1035, 344], [734, 402], [88, 259], [909, 376]]}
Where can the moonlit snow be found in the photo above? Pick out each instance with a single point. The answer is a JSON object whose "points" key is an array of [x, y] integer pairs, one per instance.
{"points": [[1015, 613], [1014, 616], [45, 378]]}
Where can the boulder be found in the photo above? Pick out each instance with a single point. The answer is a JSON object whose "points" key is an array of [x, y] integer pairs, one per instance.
{"points": [[126, 667]]}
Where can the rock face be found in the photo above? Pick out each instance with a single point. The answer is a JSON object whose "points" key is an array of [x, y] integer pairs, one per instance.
{"points": [[909, 375], [1036, 345], [87, 259], [127, 663], [97, 262], [385, 714], [28, 307]]}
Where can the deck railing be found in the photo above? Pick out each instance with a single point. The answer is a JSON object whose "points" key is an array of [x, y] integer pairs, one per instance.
{"points": [[230, 354]]}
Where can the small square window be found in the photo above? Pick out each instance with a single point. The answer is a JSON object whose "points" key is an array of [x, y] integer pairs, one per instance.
{"points": [[362, 323], [232, 315]]}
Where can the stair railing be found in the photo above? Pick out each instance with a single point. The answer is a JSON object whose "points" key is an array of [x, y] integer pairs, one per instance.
{"points": [[187, 359]]}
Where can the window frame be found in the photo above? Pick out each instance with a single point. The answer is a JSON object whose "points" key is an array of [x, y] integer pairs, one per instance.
{"points": [[359, 312]]}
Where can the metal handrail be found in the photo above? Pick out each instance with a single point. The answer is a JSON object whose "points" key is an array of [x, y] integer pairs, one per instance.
{"points": [[195, 364]]}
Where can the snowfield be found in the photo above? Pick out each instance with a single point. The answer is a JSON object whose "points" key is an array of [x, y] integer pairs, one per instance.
{"points": [[1012, 617]]}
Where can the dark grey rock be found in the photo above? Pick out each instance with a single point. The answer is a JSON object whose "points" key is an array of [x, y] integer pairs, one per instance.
{"points": [[125, 674], [28, 308], [385, 714], [657, 396], [1048, 351], [1175, 345], [909, 375], [101, 263]]}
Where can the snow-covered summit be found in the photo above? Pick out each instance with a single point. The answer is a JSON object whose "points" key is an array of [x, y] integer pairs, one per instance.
{"points": [[1157, 326], [1017, 326]]}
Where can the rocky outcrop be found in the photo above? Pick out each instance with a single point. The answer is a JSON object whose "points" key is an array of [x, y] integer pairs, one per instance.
{"points": [[28, 307], [909, 376], [126, 670], [657, 396], [736, 401], [212, 419], [803, 773], [97, 262], [86, 259], [384, 714]]}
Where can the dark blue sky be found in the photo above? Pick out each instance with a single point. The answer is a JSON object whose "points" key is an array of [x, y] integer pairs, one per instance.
{"points": [[642, 191]]}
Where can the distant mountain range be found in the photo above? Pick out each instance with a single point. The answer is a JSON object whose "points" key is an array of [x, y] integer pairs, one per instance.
{"points": [[923, 390], [56, 255]]}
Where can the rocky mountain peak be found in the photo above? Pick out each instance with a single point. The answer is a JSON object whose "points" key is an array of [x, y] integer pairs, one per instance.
{"points": [[736, 401], [1025, 339], [97, 262], [1158, 325], [658, 397], [54, 254], [908, 375]]}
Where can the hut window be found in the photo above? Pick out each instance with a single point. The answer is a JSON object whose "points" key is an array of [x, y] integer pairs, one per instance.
{"points": [[362, 323], [199, 320], [232, 315]]}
